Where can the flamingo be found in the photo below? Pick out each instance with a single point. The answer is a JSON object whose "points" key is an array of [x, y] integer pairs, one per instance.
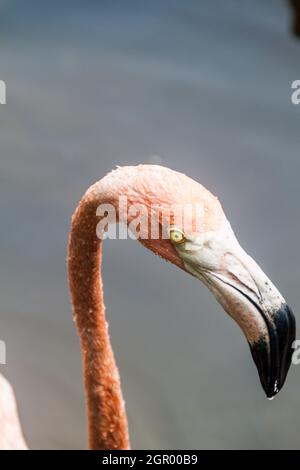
{"points": [[11, 436], [211, 254]]}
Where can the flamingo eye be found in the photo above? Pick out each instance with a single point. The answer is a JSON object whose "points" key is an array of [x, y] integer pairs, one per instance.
{"points": [[176, 236]]}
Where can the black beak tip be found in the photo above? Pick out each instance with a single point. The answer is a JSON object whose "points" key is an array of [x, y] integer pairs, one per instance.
{"points": [[272, 391], [273, 356]]}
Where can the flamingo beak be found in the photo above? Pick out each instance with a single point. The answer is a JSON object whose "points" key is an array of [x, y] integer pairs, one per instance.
{"points": [[273, 356], [251, 299]]}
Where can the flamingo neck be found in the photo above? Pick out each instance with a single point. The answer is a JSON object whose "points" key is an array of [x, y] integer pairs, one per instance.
{"points": [[107, 420]]}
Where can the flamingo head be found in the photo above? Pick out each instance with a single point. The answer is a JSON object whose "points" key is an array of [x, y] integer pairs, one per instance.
{"points": [[199, 239]]}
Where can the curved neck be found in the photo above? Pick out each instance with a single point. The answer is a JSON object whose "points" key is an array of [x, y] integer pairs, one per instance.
{"points": [[105, 406]]}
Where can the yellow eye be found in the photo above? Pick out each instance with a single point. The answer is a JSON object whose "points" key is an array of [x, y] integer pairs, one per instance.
{"points": [[176, 236]]}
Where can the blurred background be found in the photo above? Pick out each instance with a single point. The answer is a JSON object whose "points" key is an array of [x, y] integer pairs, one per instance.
{"points": [[203, 87]]}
